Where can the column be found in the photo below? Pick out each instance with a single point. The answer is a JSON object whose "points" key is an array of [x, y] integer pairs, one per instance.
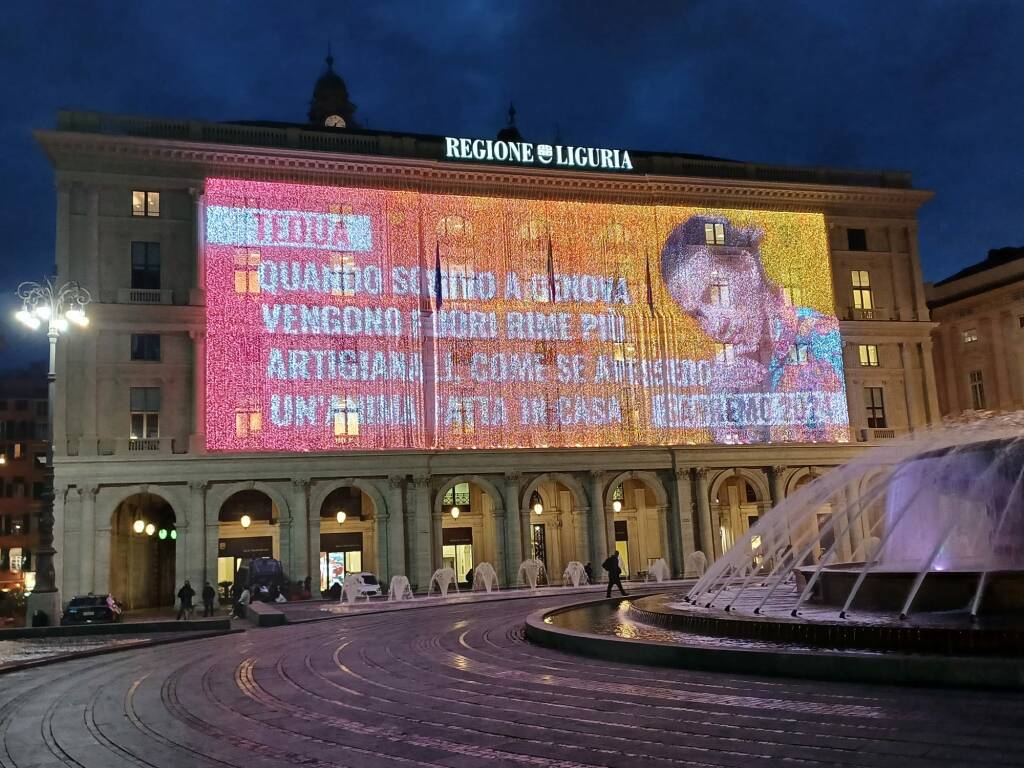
{"points": [[952, 369], [197, 440], [500, 543], [212, 542], [913, 419], [437, 540], [382, 524], [1000, 357], [60, 493], [422, 538], [197, 296], [931, 390], [580, 521], [85, 398], [101, 553], [775, 484], [396, 521], [86, 541], [600, 544], [682, 513], [299, 503], [514, 552], [920, 301], [707, 531], [313, 550], [857, 522], [193, 540]]}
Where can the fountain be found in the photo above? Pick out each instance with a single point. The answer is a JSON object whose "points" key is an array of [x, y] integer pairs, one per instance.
{"points": [[575, 573], [444, 578], [485, 576], [400, 589], [914, 547], [659, 571], [353, 588], [696, 564], [531, 571]]}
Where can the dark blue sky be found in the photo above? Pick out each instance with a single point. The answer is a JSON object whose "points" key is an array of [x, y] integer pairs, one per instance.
{"points": [[932, 87]]}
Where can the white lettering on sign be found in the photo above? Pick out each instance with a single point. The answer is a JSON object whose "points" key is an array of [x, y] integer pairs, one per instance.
{"points": [[527, 153]]}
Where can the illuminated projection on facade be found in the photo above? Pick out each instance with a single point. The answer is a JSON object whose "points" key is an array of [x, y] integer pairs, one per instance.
{"points": [[370, 319]]}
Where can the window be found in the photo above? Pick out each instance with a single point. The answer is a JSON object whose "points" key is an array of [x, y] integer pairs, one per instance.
{"points": [[724, 353], [792, 291], [797, 354], [719, 291], [247, 422], [346, 421], [145, 405], [460, 416], [868, 354], [861, 289], [145, 203], [247, 271], [714, 234], [977, 390], [457, 496], [41, 408], [15, 560], [874, 401], [857, 239], [145, 265], [970, 336], [345, 265], [146, 346], [18, 450]]}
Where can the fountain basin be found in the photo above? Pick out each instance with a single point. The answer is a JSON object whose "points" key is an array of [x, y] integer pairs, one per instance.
{"points": [[886, 590]]}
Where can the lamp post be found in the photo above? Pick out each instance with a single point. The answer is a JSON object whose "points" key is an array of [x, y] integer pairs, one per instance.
{"points": [[60, 307]]}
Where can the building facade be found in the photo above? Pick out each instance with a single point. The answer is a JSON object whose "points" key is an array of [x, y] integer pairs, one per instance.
{"points": [[979, 341], [141, 212], [23, 474]]}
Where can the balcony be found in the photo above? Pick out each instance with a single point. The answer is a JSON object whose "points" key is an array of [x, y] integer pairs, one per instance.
{"points": [[161, 446], [145, 296], [878, 435], [876, 313]]}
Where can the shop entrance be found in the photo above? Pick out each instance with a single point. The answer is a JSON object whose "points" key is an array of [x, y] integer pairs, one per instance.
{"points": [[457, 550], [622, 545], [340, 555], [232, 554]]}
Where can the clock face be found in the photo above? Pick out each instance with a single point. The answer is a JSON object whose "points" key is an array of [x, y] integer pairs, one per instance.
{"points": [[335, 121]]}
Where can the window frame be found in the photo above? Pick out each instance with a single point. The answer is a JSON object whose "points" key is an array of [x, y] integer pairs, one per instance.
{"points": [[150, 207], [149, 251], [144, 405], [969, 335], [143, 348], [862, 233], [875, 411], [863, 297], [868, 355], [976, 383]]}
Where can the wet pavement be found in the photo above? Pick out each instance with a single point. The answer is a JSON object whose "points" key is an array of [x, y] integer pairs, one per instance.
{"points": [[457, 685]]}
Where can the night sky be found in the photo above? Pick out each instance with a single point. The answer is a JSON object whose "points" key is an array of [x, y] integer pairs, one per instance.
{"points": [[933, 88]]}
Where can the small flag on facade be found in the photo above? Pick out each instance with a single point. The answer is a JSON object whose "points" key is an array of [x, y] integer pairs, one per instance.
{"points": [[437, 275]]}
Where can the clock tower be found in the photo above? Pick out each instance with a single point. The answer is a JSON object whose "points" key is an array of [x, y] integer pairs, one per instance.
{"points": [[330, 106]]}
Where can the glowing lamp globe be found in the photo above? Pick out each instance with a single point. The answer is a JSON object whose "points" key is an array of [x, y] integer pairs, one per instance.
{"points": [[174, 534], [246, 521], [150, 529], [538, 508], [341, 516], [162, 534], [455, 513], [616, 506], [139, 526]]}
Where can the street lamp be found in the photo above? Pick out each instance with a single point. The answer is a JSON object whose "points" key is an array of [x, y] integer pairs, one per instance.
{"points": [[60, 306]]}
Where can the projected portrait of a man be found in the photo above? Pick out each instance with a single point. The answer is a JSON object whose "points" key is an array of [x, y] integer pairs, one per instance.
{"points": [[764, 343]]}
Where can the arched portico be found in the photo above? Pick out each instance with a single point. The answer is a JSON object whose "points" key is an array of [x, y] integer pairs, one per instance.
{"points": [[738, 498], [359, 542], [478, 533], [143, 542], [640, 526], [561, 532]]}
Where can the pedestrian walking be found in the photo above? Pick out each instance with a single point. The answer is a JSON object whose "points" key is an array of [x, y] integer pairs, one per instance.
{"points": [[185, 595], [208, 594], [614, 573]]}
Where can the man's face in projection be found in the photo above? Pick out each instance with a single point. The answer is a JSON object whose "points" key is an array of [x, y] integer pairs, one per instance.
{"points": [[724, 290]]}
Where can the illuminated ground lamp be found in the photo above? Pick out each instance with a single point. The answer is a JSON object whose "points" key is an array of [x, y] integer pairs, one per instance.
{"points": [[60, 306], [246, 521], [341, 516]]}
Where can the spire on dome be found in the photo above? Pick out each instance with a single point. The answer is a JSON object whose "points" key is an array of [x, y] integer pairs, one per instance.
{"points": [[330, 98], [510, 132]]}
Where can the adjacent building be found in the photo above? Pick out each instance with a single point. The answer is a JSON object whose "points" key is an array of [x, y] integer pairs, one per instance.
{"points": [[979, 341], [364, 350]]}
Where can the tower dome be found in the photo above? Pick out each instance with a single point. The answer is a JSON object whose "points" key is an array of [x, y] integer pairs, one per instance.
{"points": [[330, 100], [510, 132]]}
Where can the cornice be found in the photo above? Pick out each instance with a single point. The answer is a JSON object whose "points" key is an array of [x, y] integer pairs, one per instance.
{"points": [[86, 154]]}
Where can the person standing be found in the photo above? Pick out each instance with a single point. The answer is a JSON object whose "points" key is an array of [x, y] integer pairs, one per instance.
{"points": [[185, 595], [614, 573], [208, 594]]}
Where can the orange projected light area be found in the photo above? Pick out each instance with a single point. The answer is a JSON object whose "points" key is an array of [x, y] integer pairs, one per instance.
{"points": [[366, 319]]}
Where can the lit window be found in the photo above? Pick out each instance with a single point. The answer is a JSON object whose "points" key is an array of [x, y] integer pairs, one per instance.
{"points": [[463, 422], [798, 354], [977, 390], [714, 234], [874, 402], [724, 353], [624, 350], [247, 271], [346, 421], [862, 289], [19, 450], [145, 203], [247, 422], [16, 559], [345, 265], [145, 413], [719, 291], [970, 336], [857, 239], [868, 354], [792, 292]]}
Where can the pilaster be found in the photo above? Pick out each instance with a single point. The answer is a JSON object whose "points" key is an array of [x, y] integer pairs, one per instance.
{"points": [[193, 539], [422, 541], [299, 503], [601, 541], [396, 522], [197, 440], [681, 533], [87, 539], [514, 552], [707, 530]]}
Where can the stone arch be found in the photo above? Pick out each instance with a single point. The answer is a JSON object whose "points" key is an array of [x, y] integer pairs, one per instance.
{"points": [[141, 570], [492, 490], [796, 479], [495, 542], [220, 493], [756, 478], [580, 496], [650, 479], [374, 530], [324, 489], [109, 498]]}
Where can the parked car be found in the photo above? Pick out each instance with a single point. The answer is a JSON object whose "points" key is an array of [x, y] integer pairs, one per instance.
{"points": [[371, 587], [92, 609]]}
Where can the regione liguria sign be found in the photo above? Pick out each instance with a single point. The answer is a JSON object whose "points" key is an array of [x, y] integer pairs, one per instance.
{"points": [[542, 155]]}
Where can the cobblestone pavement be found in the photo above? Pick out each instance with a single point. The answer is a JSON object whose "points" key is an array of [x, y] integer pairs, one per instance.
{"points": [[458, 686]]}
